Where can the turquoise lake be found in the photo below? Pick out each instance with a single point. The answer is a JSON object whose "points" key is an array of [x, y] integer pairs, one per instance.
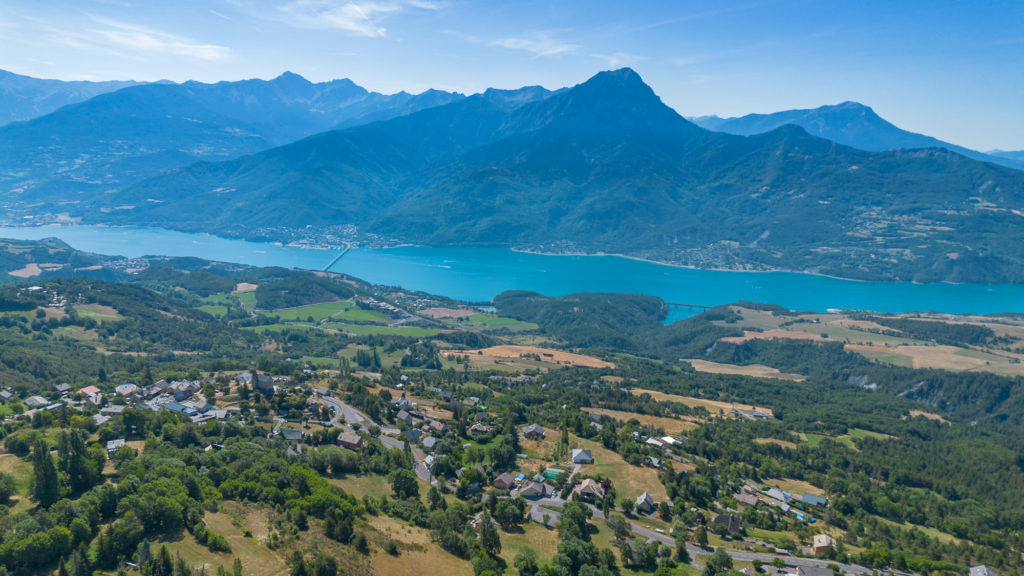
{"points": [[478, 274]]}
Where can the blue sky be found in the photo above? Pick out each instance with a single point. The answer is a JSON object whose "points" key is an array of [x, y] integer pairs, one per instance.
{"points": [[953, 70]]}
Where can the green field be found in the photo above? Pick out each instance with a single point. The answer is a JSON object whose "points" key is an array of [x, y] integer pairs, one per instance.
{"points": [[214, 309]]}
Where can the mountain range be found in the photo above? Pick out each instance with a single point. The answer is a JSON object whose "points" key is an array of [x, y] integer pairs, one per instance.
{"points": [[849, 123], [121, 137], [606, 166], [24, 98]]}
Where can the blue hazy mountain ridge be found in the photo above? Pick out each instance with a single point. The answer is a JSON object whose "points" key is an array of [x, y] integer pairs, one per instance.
{"points": [[606, 166], [849, 123], [122, 137], [24, 98], [1014, 155]]}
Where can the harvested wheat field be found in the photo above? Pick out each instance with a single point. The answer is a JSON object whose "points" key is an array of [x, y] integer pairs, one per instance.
{"points": [[549, 355], [669, 425], [711, 405], [756, 370]]}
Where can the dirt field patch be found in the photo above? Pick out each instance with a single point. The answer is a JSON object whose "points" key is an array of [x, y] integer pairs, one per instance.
{"points": [[712, 406], [796, 487], [244, 287], [28, 271], [756, 370], [928, 415], [773, 334], [775, 441], [548, 355], [669, 425], [943, 357]]}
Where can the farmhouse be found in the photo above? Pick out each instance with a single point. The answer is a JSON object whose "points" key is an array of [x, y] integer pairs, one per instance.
{"points": [[644, 503], [533, 432], [589, 487], [88, 390], [582, 456], [504, 481], [404, 417], [733, 523], [350, 441], [62, 389], [112, 410], [534, 490], [35, 402], [822, 544]]}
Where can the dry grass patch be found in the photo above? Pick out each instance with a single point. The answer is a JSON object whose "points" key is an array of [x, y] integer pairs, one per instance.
{"points": [[547, 355], [426, 557], [257, 559], [669, 425], [794, 486], [775, 441], [944, 357], [756, 370], [928, 415], [712, 406], [28, 271], [773, 334], [542, 540], [244, 287]]}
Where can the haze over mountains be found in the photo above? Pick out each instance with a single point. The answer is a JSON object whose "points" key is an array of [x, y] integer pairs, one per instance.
{"points": [[849, 123], [604, 166], [124, 136], [23, 97]]}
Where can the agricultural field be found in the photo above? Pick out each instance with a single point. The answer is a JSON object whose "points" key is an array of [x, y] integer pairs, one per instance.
{"points": [[544, 355], [712, 406], [755, 370], [672, 426]]}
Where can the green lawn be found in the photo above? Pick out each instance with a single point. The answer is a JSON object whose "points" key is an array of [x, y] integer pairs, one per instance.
{"points": [[346, 311], [214, 309]]}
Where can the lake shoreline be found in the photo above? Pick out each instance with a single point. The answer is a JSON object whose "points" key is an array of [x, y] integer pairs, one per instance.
{"points": [[477, 274]]}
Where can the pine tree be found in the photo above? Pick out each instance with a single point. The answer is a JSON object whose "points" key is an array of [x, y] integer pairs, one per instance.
{"points": [[45, 486], [236, 568], [489, 539]]}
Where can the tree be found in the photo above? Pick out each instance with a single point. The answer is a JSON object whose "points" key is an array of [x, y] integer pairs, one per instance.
{"points": [[700, 535], [236, 567], [404, 484], [526, 562], [718, 563], [45, 486], [8, 488], [489, 539]]}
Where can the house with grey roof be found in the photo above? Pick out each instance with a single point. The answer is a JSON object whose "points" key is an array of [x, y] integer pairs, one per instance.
{"points": [[644, 503], [582, 456], [404, 417], [533, 432], [429, 442], [291, 434], [35, 402]]}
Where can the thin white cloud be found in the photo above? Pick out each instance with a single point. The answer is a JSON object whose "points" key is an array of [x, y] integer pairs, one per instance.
{"points": [[132, 37], [358, 18], [127, 39], [540, 44]]}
